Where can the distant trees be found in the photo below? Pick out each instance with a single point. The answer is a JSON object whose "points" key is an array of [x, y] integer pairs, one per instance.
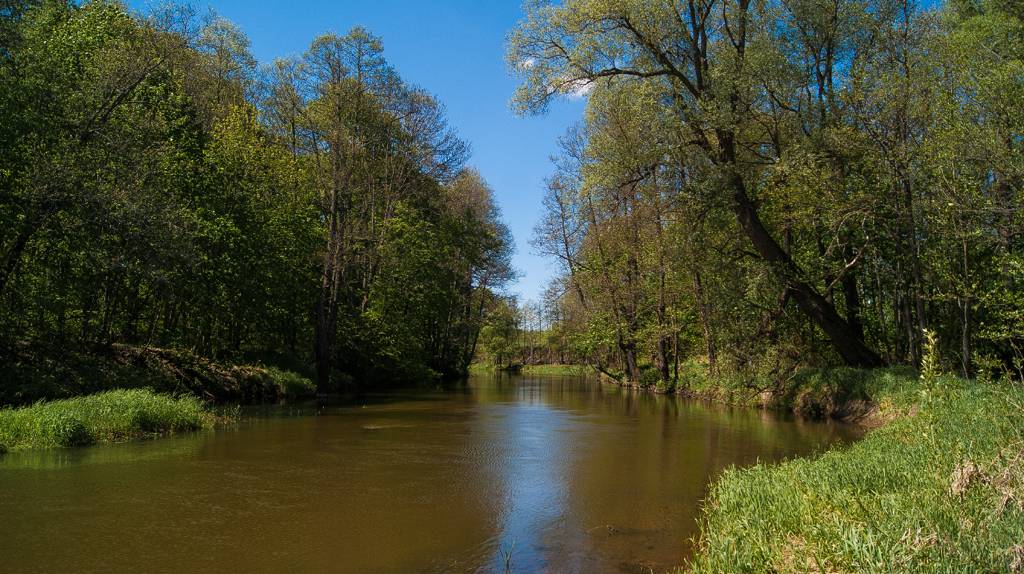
{"points": [[519, 333], [782, 183], [159, 187]]}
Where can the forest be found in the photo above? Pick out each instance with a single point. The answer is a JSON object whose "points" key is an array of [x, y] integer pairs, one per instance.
{"points": [[160, 188], [758, 187]]}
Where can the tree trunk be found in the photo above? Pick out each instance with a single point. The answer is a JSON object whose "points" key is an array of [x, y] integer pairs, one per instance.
{"points": [[915, 267], [322, 345], [14, 255], [852, 298], [705, 323], [844, 337], [629, 358], [965, 303]]}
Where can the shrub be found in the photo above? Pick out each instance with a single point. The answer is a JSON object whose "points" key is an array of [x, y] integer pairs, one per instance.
{"points": [[290, 384], [649, 377]]}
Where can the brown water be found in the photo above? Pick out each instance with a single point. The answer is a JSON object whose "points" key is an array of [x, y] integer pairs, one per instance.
{"points": [[557, 473]]}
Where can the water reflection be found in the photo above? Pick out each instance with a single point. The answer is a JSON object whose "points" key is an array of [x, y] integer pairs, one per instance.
{"points": [[562, 474]]}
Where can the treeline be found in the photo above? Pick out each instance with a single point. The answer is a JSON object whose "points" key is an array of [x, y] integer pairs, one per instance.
{"points": [[159, 187], [517, 333], [772, 184]]}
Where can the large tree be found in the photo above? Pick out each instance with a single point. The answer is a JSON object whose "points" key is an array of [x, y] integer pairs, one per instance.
{"points": [[711, 59]]}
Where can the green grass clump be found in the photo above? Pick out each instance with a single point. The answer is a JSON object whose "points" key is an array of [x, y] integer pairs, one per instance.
{"points": [[548, 369], [566, 370], [939, 488], [108, 416], [290, 384], [481, 369]]}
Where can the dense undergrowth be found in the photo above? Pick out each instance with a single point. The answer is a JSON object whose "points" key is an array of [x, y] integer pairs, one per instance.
{"points": [[938, 488], [841, 392], [104, 417], [30, 374]]}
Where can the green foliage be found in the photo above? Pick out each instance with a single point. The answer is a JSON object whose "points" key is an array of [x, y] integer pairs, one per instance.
{"points": [[930, 368], [156, 191], [816, 187], [557, 370], [937, 490], [109, 416], [33, 374], [650, 378], [291, 385], [499, 337]]}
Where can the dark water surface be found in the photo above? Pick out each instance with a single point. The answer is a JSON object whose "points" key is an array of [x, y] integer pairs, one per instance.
{"points": [[558, 473]]}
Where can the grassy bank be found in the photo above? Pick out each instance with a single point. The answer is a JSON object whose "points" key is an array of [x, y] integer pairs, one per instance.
{"points": [[837, 393], [938, 488], [561, 370], [564, 370], [30, 374], [841, 393], [110, 416]]}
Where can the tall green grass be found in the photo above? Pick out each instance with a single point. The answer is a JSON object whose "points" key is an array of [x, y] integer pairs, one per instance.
{"points": [[939, 488], [289, 384], [552, 369], [108, 416]]}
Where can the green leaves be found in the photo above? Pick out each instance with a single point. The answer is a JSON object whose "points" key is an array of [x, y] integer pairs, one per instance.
{"points": [[156, 190]]}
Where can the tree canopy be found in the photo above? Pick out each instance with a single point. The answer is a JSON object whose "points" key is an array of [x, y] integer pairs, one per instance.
{"points": [[783, 182], [160, 187]]}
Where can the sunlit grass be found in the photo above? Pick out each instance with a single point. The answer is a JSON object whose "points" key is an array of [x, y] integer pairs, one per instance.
{"points": [[549, 369], [108, 416], [567, 370], [939, 488]]}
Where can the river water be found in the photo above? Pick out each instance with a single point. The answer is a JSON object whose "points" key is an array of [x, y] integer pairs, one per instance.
{"points": [[540, 474]]}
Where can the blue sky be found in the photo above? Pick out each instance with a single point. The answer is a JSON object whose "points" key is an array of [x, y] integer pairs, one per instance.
{"points": [[455, 49]]}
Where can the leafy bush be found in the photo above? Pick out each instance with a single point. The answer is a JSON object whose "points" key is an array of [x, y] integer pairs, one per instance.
{"points": [[649, 377], [291, 385]]}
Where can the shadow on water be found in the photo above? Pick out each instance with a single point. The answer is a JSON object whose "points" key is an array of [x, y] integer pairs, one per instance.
{"points": [[540, 473]]}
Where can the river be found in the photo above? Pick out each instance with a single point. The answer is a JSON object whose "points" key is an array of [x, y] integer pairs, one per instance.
{"points": [[544, 474]]}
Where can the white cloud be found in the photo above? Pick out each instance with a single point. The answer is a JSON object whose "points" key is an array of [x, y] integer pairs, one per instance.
{"points": [[526, 64], [577, 89]]}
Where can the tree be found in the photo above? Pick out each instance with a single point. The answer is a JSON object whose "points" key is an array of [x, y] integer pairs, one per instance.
{"points": [[698, 55]]}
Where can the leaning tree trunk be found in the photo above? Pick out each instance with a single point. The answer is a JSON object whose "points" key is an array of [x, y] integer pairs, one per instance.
{"points": [[845, 338]]}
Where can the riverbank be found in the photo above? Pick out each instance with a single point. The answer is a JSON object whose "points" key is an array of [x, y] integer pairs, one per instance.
{"points": [[111, 416], [938, 488], [31, 374], [937, 485], [545, 369], [839, 393]]}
